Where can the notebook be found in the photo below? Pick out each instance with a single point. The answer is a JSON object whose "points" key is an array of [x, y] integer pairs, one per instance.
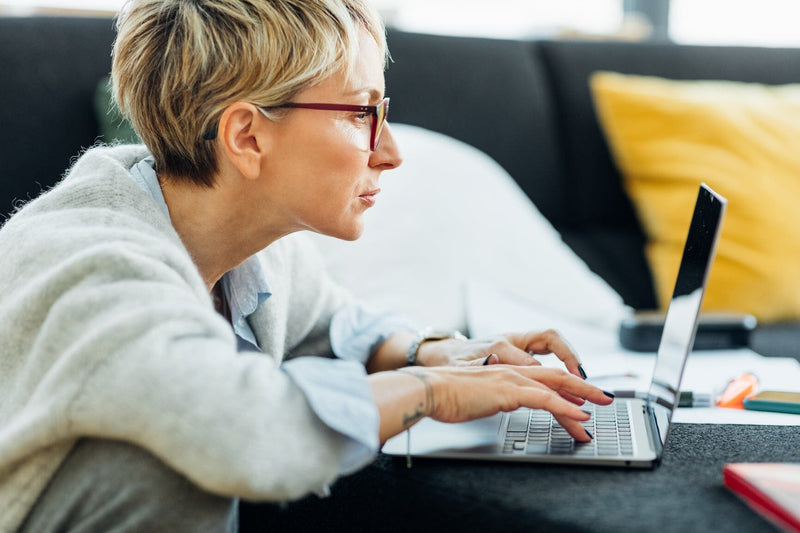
{"points": [[771, 489], [631, 432]]}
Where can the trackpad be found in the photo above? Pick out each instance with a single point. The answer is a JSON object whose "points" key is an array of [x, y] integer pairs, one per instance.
{"points": [[432, 437]]}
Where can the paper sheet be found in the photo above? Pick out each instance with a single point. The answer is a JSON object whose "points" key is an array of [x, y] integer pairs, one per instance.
{"points": [[491, 312]]}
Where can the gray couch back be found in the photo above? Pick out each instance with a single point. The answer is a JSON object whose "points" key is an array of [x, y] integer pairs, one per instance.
{"points": [[525, 103], [50, 68]]}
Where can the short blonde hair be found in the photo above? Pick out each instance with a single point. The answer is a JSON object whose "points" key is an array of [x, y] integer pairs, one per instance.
{"points": [[177, 64]]}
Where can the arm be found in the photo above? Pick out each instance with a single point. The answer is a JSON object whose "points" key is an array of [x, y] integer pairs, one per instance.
{"points": [[458, 394], [381, 341], [512, 348], [391, 354], [111, 334], [451, 394]]}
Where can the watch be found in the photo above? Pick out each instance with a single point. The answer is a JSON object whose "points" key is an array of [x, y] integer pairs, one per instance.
{"points": [[426, 335]]}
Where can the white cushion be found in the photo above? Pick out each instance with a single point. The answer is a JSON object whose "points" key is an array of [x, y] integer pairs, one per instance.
{"points": [[450, 215]]}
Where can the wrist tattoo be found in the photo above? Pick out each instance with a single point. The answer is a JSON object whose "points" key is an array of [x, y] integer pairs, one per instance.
{"points": [[427, 406]]}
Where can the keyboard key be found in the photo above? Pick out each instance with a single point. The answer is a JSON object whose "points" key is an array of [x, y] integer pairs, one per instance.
{"points": [[536, 448], [518, 421], [607, 452]]}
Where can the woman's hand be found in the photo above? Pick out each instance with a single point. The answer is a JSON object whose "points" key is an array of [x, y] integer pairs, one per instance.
{"points": [[512, 349], [458, 394]]}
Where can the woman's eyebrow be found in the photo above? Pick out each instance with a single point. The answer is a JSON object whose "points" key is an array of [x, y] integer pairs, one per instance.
{"points": [[374, 94]]}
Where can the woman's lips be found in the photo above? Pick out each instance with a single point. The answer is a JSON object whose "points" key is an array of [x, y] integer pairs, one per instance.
{"points": [[369, 198]]}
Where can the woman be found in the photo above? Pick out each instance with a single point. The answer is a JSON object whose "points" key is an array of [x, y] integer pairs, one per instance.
{"points": [[158, 301]]}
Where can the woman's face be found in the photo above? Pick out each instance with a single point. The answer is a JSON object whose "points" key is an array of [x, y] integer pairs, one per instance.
{"points": [[326, 175]]}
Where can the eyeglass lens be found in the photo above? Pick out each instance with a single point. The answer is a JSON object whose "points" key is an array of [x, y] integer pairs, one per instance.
{"points": [[382, 112]]}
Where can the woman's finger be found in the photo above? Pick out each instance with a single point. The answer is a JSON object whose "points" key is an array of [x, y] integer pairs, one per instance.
{"points": [[572, 398], [568, 415], [509, 354], [480, 390], [490, 359], [575, 429], [536, 394], [565, 383], [547, 342]]}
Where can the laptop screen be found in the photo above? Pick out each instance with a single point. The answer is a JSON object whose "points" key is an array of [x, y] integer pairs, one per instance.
{"points": [[680, 323]]}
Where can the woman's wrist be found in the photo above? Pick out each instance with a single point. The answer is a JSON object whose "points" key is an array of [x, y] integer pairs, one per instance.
{"points": [[429, 347], [432, 353], [427, 401]]}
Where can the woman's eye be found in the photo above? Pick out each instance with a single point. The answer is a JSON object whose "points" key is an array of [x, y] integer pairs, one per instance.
{"points": [[362, 116]]}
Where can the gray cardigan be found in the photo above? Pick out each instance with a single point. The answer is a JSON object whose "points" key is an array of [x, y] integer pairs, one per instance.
{"points": [[107, 330]]}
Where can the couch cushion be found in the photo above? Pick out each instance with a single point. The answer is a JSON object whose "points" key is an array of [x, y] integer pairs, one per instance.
{"points": [[599, 200], [51, 66], [593, 176], [741, 139]]}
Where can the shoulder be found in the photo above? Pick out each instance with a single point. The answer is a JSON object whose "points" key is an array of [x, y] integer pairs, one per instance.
{"points": [[97, 216], [100, 177], [97, 190]]}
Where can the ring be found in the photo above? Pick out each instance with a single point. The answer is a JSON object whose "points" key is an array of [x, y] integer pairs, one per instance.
{"points": [[486, 361]]}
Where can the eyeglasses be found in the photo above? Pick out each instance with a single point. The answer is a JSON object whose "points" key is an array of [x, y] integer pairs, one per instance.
{"points": [[379, 113]]}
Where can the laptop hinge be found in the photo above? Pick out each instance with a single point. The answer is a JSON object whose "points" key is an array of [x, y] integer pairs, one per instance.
{"points": [[654, 435]]}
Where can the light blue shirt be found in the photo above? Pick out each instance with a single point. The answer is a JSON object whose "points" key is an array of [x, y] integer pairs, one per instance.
{"points": [[338, 391]]}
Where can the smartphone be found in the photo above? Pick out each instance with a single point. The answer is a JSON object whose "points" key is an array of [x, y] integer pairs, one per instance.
{"points": [[774, 400]]}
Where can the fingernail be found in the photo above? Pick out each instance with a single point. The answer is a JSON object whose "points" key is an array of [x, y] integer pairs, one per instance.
{"points": [[610, 395], [587, 432], [587, 412], [582, 371]]}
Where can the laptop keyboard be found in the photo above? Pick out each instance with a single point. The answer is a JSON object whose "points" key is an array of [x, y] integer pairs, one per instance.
{"points": [[534, 431]]}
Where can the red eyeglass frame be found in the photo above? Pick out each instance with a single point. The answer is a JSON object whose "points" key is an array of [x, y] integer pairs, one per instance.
{"points": [[375, 132]]}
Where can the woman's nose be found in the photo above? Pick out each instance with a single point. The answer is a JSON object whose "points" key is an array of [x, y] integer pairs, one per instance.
{"points": [[387, 153]]}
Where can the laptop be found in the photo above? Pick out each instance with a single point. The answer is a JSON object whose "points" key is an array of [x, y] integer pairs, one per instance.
{"points": [[630, 432]]}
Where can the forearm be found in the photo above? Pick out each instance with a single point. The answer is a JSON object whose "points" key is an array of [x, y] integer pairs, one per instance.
{"points": [[402, 398], [391, 354]]}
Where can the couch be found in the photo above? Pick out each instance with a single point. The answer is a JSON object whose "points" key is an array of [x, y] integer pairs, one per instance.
{"points": [[524, 103]]}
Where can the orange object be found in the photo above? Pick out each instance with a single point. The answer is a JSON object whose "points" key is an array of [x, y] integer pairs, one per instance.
{"points": [[737, 390]]}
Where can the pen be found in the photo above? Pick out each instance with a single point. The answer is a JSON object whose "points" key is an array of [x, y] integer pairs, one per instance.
{"points": [[686, 398], [694, 399]]}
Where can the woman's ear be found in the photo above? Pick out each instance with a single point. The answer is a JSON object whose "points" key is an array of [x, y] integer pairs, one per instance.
{"points": [[241, 138]]}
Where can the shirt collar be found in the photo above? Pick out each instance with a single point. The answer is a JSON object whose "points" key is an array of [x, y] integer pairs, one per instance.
{"points": [[245, 286]]}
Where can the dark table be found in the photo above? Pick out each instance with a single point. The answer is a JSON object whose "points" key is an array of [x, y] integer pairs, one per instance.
{"points": [[684, 494]]}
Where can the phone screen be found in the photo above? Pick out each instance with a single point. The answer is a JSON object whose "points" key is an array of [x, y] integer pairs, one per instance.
{"points": [[778, 396]]}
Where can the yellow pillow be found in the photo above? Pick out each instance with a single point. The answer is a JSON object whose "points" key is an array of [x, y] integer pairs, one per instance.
{"points": [[743, 140]]}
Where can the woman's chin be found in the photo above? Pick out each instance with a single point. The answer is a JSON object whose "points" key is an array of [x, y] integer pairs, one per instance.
{"points": [[351, 233]]}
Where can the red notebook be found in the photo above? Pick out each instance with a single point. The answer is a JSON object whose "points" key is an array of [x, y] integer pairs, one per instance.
{"points": [[771, 489]]}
